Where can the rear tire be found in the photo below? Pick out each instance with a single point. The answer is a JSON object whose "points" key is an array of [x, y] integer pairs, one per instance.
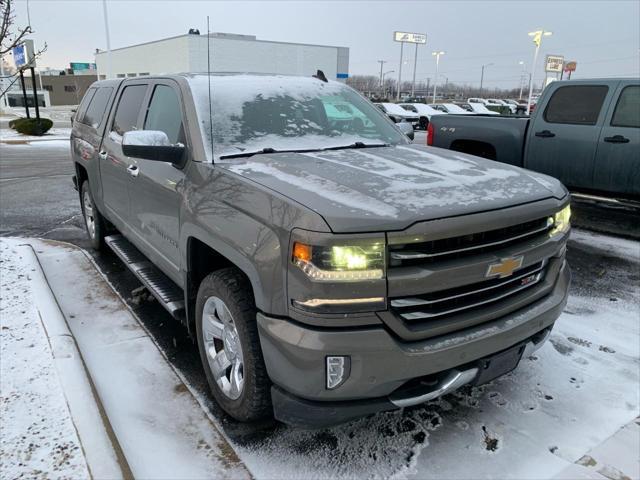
{"points": [[229, 345], [94, 222]]}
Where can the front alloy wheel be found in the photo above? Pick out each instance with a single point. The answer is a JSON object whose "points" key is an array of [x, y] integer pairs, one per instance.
{"points": [[229, 345], [223, 347]]}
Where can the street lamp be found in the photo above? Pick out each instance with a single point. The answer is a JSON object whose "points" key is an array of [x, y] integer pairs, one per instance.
{"points": [[522, 78], [436, 54], [482, 76], [384, 75], [537, 39]]}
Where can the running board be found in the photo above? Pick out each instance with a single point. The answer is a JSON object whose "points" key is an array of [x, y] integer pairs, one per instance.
{"points": [[168, 294]]}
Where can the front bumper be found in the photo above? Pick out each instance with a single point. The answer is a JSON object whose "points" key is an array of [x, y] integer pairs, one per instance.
{"points": [[380, 364]]}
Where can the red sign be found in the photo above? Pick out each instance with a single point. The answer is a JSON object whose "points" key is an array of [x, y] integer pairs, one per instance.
{"points": [[570, 66]]}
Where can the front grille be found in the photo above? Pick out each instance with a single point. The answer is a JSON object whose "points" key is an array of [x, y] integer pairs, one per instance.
{"points": [[457, 300], [467, 245]]}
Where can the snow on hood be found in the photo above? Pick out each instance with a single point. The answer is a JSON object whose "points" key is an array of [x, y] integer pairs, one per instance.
{"points": [[389, 188]]}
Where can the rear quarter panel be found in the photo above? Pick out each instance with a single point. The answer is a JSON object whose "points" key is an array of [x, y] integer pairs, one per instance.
{"points": [[506, 135]]}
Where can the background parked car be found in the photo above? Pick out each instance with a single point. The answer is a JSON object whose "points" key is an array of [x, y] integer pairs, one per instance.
{"points": [[398, 114], [450, 108], [480, 109], [424, 111], [519, 105]]}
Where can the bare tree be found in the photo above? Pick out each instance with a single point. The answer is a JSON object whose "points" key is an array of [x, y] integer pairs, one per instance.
{"points": [[10, 36]]}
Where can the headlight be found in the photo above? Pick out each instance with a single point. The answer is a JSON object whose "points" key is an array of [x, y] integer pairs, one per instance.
{"points": [[561, 221], [341, 263]]}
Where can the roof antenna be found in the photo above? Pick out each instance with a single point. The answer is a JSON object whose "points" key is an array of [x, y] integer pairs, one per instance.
{"points": [[209, 80], [320, 76]]}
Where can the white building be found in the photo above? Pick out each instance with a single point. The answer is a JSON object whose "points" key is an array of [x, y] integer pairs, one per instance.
{"points": [[229, 53]]}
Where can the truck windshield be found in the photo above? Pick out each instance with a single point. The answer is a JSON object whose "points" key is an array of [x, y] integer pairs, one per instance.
{"points": [[253, 113]]}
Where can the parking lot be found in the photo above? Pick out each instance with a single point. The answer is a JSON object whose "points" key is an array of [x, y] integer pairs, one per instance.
{"points": [[556, 408]]}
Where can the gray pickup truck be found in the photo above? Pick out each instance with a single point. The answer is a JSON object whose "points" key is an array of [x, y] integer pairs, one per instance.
{"points": [[326, 270], [586, 133]]}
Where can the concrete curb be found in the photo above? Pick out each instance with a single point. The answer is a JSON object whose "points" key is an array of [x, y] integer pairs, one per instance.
{"points": [[103, 456], [161, 428]]}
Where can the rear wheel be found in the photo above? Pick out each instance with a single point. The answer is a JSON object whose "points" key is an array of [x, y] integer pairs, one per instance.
{"points": [[93, 220], [230, 347]]}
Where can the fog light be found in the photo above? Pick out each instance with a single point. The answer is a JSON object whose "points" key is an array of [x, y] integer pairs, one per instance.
{"points": [[338, 370]]}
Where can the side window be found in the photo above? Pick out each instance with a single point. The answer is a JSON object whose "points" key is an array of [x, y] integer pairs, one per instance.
{"points": [[97, 107], [627, 112], [165, 114], [126, 118], [579, 104], [84, 103]]}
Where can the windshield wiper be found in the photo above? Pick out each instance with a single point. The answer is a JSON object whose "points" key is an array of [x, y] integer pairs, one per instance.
{"points": [[267, 150], [263, 151], [358, 145]]}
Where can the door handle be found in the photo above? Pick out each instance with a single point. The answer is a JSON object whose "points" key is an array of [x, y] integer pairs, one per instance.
{"points": [[103, 155], [616, 139], [545, 134], [133, 170]]}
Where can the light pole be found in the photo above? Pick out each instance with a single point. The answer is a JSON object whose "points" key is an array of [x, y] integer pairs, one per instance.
{"points": [[537, 39], [384, 75], [482, 76], [522, 78], [436, 54], [446, 82], [381, 62], [106, 30]]}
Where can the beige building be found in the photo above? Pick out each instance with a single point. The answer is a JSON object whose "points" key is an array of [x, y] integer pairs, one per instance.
{"points": [[60, 90]]}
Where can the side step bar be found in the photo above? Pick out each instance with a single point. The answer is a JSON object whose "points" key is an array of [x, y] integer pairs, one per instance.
{"points": [[168, 294]]}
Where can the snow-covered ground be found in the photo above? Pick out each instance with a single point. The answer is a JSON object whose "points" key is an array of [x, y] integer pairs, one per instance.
{"points": [[9, 135], [37, 435], [569, 411], [157, 429]]}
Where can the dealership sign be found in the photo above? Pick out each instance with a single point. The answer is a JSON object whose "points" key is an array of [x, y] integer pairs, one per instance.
{"points": [[570, 66], [554, 63], [23, 54], [410, 37], [20, 56]]}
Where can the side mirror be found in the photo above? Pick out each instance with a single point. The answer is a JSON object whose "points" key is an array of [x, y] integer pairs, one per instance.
{"points": [[407, 129], [152, 145]]}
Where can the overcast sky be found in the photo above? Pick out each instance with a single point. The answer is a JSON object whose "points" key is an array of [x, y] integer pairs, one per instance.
{"points": [[602, 36]]}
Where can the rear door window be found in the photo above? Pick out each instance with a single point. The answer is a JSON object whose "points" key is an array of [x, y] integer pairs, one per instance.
{"points": [[578, 105], [627, 112], [84, 103], [97, 107], [129, 105], [164, 113]]}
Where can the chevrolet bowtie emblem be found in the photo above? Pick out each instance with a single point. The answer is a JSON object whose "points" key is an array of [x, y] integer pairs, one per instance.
{"points": [[505, 267]]}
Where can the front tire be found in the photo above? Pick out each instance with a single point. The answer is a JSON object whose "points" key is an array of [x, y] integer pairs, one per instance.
{"points": [[229, 345], [94, 222]]}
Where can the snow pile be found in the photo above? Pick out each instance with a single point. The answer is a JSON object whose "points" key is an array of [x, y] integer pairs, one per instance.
{"points": [[37, 435]]}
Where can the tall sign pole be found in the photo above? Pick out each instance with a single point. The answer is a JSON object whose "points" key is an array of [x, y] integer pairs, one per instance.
{"points": [[381, 62], [399, 73], [537, 40], [106, 31], [407, 37], [415, 64]]}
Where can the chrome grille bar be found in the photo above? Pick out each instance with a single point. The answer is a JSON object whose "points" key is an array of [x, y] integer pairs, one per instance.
{"points": [[418, 255], [427, 315], [415, 301]]}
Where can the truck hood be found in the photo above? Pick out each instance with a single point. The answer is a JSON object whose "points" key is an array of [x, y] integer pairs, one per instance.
{"points": [[390, 188]]}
